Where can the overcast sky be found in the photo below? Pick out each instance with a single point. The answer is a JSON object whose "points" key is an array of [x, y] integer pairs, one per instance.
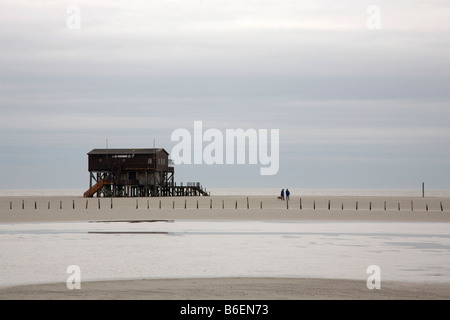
{"points": [[356, 106]]}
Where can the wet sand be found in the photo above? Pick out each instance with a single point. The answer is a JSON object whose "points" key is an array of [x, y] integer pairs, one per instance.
{"points": [[230, 289]]}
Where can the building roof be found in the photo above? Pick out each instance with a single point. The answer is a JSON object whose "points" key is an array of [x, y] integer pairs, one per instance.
{"points": [[127, 151]]}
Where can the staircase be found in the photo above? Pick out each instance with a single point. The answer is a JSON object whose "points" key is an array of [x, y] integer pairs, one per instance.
{"points": [[96, 187]]}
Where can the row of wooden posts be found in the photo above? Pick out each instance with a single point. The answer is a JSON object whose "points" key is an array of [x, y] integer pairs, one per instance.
{"points": [[223, 205]]}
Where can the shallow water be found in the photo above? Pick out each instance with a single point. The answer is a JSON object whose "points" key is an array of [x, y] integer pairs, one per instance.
{"points": [[42, 252]]}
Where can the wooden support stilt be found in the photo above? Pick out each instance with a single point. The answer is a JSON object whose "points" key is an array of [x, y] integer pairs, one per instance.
{"points": [[223, 204], [442, 208], [210, 203], [137, 204], [248, 206], [160, 204], [427, 207], [370, 206], [86, 203], [10, 205], [23, 204], [385, 206], [73, 204], [35, 205], [412, 205], [356, 205], [49, 205], [261, 205], [314, 204], [173, 204], [398, 206], [329, 204], [185, 203], [197, 204], [300, 203], [235, 205], [60, 204]]}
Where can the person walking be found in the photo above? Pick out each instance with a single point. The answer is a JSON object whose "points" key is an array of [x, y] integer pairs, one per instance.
{"points": [[282, 194], [287, 194]]}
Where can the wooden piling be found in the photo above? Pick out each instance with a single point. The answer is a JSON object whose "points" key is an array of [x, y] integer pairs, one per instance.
{"points": [[442, 208], [398, 206], [423, 189], [160, 204], [300, 203], [49, 205], [223, 204], [248, 206], [385, 206], [73, 204], [60, 204], [412, 205], [173, 204], [261, 205], [356, 205], [137, 204], [329, 204], [426, 207], [35, 205], [86, 203], [10, 205], [314, 205], [210, 203], [113, 206], [185, 203], [235, 205], [370, 206], [23, 204], [197, 204]]}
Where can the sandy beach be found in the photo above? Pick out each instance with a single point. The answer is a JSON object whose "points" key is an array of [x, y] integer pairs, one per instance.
{"points": [[230, 289], [17, 210], [45, 209]]}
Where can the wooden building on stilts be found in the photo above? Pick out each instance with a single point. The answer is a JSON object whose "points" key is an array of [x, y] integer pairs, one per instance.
{"points": [[135, 173]]}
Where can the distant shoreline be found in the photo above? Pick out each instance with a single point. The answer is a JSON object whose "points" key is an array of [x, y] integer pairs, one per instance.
{"points": [[332, 192]]}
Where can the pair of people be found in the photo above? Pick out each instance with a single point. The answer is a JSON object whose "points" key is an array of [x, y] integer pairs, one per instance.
{"points": [[287, 194]]}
